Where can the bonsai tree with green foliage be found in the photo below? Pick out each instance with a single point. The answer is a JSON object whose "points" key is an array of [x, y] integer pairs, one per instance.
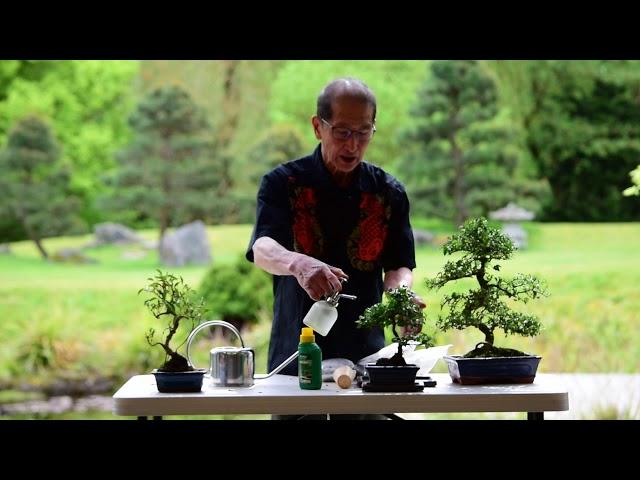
{"points": [[174, 300], [484, 307], [399, 311]]}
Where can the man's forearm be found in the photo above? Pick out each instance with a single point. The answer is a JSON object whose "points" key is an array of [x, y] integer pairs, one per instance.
{"points": [[395, 278], [272, 257], [316, 278]]}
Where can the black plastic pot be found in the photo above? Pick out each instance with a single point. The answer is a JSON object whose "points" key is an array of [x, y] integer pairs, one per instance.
{"points": [[170, 382], [392, 374], [475, 371]]}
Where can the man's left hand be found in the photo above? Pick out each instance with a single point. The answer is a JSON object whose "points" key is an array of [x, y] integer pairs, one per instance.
{"points": [[414, 330]]}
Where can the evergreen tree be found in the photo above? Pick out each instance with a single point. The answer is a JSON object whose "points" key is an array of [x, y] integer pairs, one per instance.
{"points": [[581, 120], [86, 103], [168, 172], [460, 161], [34, 186], [278, 144]]}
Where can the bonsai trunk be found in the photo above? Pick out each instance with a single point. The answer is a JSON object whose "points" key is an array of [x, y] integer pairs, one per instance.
{"points": [[397, 359], [176, 363]]}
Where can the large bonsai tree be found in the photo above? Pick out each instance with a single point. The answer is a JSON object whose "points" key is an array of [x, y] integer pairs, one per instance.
{"points": [[175, 300], [400, 311], [484, 307]]}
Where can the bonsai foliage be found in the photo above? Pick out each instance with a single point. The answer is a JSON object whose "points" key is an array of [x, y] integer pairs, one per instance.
{"points": [[174, 300], [399, 311], [484, 307]]}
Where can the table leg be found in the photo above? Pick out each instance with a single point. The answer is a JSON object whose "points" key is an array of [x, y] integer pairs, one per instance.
{"points": [[535, 415], [393, 416]]}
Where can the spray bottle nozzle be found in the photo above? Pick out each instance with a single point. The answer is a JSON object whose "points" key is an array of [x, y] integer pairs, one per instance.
{"points": [[335, 298], [323, 314]]}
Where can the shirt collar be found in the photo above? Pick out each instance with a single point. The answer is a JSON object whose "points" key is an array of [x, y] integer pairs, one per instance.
{"points": [[362, 182]]}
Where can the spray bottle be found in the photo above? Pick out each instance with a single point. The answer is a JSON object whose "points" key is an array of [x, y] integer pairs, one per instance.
{"points": [[323, 314]]}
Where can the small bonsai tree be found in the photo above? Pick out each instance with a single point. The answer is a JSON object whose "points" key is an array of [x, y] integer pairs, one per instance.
{"points": [[175, 300], [399, 311], [483, 307]]}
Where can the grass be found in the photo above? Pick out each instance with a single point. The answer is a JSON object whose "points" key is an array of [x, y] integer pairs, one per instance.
{"points": [[85, 320]]}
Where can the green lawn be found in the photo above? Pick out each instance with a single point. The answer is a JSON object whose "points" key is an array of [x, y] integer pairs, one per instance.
{"points": [[81, 321]]}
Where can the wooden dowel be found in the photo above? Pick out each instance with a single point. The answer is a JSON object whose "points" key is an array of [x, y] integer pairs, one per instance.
{"points": [[343, 376]]}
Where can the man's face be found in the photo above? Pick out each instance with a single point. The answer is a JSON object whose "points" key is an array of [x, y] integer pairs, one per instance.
{"points": [[342, 155]]}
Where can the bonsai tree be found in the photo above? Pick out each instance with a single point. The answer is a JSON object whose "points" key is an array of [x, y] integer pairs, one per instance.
{"points": [[174, 300], [484, 307], [399, 311]]}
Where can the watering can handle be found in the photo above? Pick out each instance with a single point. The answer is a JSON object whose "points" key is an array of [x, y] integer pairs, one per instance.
{"points": [[207, 324]]}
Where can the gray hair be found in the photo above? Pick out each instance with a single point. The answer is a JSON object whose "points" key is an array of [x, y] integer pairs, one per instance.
{"points": [[344, 87]]}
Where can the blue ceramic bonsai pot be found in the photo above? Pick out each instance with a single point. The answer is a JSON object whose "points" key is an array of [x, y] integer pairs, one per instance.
{"points": [[172, 382], [486, 370]]}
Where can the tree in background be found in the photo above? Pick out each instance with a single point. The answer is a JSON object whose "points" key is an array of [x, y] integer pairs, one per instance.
{"points": [[460, 160], [87, 101], [235, 96], [34, 185], [581, 121], [276, 145], [168, 171]]}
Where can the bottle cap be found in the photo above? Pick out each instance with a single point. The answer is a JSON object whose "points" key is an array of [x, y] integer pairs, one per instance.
{"points": [[307, 335]]}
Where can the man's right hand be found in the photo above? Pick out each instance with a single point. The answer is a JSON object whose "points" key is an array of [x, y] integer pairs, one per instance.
{"points": [[317, 278]]}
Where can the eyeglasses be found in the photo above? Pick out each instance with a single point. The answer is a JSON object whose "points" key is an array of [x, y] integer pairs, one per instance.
{"points": [[343, 133]]}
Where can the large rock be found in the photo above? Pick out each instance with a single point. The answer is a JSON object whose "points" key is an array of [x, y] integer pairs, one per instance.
{"points": [[422, 237], [511, 213], [517, 234], [4, 249], [187, 245], [107, 233]]}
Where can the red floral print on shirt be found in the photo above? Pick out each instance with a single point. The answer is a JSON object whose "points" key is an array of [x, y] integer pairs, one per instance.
{"points": [[307, 236], [367, 240]]}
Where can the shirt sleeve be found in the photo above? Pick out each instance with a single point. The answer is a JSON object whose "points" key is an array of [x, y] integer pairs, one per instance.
{"points": [[273, 213], [400, 249]]}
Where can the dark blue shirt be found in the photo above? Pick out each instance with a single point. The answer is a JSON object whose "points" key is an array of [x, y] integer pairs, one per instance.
{"points": [[363, 229]]}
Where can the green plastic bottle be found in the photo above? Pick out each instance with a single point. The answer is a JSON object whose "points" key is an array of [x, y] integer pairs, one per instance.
{"points": [[309, 361]]}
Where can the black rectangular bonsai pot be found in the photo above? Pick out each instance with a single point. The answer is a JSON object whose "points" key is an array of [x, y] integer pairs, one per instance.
{"points": [[174, 382], [392, 374], [475, 371]]}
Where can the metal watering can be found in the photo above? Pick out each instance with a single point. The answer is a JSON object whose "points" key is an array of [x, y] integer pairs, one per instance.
{"points": [[232, 366], [235, 366]]}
